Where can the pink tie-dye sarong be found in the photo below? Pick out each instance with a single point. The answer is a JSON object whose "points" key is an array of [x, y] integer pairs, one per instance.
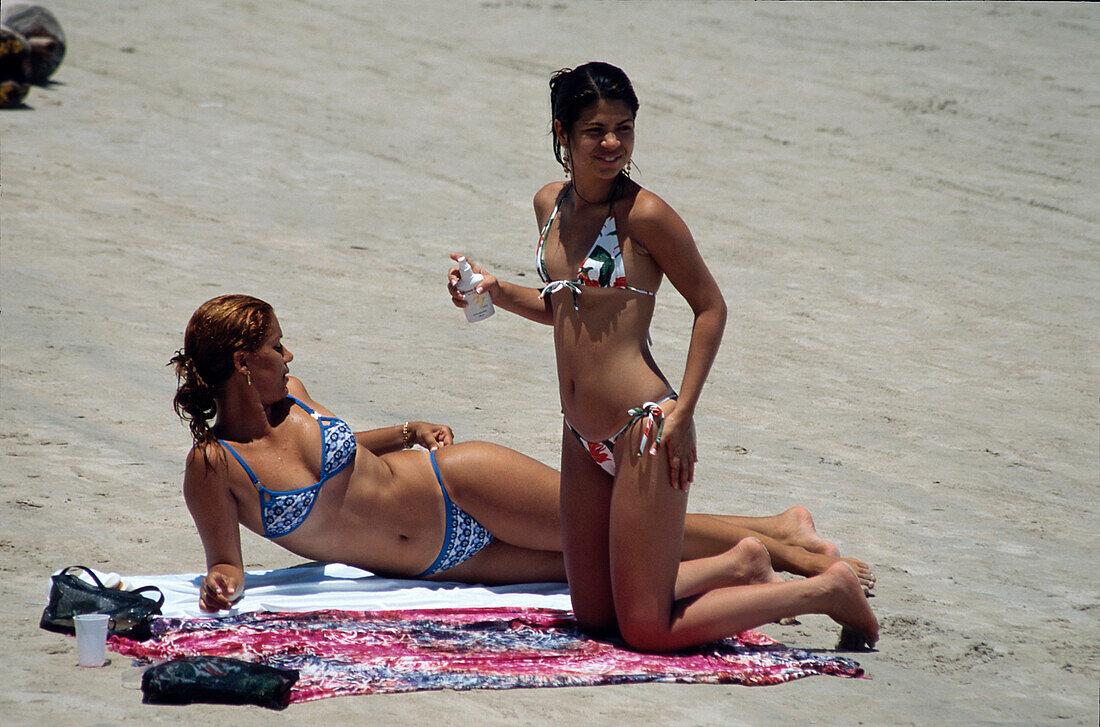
{"points": [[371, 652]]}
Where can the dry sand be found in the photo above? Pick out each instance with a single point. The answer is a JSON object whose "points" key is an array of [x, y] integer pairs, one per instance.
{"points": [[900, 203]]}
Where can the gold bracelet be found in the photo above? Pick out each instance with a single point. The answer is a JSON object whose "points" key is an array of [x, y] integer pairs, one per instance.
{"points": [[405, 435]]}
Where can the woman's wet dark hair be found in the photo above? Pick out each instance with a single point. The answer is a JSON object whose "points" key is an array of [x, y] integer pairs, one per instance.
{"points": [[572, 90], [218, 329]]}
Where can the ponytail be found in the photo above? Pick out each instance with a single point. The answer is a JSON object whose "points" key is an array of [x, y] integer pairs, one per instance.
{"points": [[194, 401]]}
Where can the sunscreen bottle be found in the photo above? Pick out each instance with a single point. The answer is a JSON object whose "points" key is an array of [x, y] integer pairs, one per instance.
{"points": [[479, 306]]}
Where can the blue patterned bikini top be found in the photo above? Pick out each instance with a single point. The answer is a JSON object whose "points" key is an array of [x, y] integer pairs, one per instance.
{"points": [[283, 512]]}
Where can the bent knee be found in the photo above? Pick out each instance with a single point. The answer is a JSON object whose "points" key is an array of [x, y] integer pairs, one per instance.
{"points": [[596, 621], [646, 634]]}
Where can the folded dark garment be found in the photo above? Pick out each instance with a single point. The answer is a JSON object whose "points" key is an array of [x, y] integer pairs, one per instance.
{"points": [[217, 680]]}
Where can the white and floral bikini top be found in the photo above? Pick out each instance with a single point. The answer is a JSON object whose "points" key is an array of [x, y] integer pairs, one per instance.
{"points": [[602, 267], [283, 512]]}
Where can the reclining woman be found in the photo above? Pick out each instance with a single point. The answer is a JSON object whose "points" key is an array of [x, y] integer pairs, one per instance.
{"points": [[283, 466]]}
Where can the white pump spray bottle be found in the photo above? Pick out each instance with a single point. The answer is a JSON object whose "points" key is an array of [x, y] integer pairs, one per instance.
{"points": [[479, 306]]}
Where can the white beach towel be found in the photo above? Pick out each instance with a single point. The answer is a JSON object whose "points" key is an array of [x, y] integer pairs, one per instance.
{"points": [[323, 586]]}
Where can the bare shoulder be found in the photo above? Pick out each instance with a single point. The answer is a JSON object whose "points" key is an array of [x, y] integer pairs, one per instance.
{"points": [[210, 500], [650, 208], [653, 222], [297, 389], [207, 468], [546, 198]]}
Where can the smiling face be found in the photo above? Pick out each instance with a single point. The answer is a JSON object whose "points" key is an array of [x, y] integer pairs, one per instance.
{"points": [[267, 366], [575, 91], [601, 141]]}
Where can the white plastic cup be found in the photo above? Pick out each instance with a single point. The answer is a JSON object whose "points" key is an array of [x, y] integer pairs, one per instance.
{"points": [[91, 638]]}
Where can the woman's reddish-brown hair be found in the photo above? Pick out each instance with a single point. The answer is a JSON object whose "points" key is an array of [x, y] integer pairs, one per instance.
{"points": [[218, 329]]}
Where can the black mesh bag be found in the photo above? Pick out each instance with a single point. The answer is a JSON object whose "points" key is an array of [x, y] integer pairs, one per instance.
{"points": [[217, 680], [70, 595]]}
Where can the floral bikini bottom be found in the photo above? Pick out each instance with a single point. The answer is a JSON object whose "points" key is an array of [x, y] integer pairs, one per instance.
{"points": [[602, 452]]}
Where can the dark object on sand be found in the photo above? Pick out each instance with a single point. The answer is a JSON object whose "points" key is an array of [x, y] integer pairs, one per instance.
{"points": [[70, 595], [42, 31], [217, 680], [15, 54], [851, 640]]}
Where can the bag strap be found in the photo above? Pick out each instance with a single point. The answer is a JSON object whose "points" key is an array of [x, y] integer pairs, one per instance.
{"points": [[99, 583], [143, 589], [87, 570]]}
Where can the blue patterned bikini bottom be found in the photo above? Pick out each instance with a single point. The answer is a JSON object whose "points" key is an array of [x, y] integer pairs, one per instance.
{"points": [[465, 536]]}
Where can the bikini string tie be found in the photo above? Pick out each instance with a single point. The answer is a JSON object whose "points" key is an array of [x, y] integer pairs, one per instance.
{"points": [[654, 416], [557, 285]]}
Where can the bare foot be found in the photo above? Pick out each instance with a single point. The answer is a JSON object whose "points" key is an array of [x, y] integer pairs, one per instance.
{"points": [[800, 531], [805, 563], [809, 564], [747, 563], [752, 563], [863, 573], [846, 604]]}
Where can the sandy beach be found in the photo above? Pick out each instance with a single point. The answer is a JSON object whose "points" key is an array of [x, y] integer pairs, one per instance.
{"points": [[898, 201]]}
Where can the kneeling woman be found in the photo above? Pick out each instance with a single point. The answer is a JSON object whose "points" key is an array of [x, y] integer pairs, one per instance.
{"points": [[283, 466]]}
